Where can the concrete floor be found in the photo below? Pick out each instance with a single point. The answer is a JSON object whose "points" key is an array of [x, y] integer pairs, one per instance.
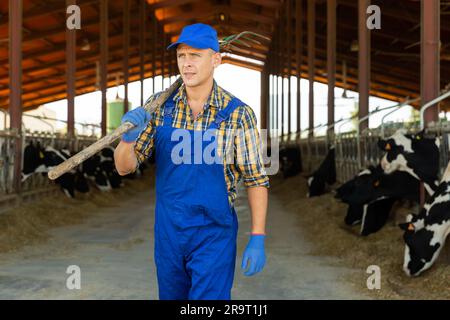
{"points": [[114, 250]]}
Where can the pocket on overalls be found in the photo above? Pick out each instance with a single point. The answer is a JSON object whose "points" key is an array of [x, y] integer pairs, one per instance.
{"points": [[188, 215], [222, 217]]}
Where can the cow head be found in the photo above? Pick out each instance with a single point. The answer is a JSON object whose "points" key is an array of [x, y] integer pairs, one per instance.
{"points": [[395, 147], [420, 250], [425, 233], [360, 187]]}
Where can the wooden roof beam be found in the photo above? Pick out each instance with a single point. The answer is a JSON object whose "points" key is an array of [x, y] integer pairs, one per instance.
{"points": [[164, 4], [46, 10], [273, 4]]}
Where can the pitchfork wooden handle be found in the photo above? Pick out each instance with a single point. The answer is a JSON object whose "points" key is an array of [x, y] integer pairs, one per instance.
{"points": [[88, 152]]}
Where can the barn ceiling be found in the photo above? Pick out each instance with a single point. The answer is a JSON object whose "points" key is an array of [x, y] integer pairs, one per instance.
{"points": [[395, 51]]}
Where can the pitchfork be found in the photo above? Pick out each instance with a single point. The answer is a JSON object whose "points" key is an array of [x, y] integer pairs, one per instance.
{"points": [[226, 44]]}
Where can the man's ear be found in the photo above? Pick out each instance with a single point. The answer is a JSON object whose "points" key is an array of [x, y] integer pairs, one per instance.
{"points": [[217, 59]]}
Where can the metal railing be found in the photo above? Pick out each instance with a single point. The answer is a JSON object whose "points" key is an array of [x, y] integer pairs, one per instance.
{"points": [[357, 150], [36, 181]]}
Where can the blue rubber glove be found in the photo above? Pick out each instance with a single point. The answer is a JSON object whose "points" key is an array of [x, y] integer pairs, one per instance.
{"points": [[140, 118], [254, 255]]}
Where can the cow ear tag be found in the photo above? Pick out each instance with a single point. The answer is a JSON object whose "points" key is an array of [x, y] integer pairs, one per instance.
{"points": [[411, 227], [387, 147], [376, 183]]}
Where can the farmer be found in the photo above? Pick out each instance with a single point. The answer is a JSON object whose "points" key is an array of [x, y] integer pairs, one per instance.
{"points": [[195, 220]]}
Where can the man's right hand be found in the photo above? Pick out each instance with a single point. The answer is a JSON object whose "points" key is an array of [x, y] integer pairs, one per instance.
{"points": [[140, 118]]}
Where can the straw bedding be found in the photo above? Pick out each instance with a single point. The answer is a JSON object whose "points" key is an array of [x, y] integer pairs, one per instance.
{"points": [[322, 223], [30, 223]]}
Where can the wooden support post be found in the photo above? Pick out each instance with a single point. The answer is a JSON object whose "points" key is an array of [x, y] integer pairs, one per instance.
{"points": [[430, 58], [363, 63], [311, 60], [155, 43], [163, 57], [283, 62], [331, 62], [126, 46], [264, 89], [103, 60], [142, 30], [15, 85], [298, 53], [70, 76], [277, 84], [289, 60]]}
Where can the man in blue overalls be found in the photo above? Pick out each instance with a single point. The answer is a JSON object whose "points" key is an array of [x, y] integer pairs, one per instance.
{"points": [[195, 220]]}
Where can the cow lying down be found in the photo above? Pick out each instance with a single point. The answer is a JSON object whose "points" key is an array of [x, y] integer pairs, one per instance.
{"points": [[371, 196]]}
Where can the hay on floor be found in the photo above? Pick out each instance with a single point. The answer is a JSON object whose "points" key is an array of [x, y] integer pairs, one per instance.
{"points": [[29, 223], [322, 223]]}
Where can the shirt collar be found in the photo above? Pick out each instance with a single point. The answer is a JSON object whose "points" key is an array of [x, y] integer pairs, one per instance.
{"points": [[213, 99]]}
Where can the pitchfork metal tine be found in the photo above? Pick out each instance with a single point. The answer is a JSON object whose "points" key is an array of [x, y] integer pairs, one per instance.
{"points": [[252, 40], [256, 35], [243, 43], [233, 47]]}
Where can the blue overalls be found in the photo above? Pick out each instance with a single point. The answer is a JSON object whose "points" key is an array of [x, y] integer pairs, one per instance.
{"points": [[195, 226]]}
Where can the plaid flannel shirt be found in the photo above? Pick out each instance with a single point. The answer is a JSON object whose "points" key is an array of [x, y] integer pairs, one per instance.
{"points": [[245, 146]]}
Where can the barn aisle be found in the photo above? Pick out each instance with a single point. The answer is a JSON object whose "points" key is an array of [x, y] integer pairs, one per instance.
{"points": [[114, 250]]}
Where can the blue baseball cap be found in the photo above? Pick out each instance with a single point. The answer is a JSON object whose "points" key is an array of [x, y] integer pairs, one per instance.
{"points": [[199, 36]]}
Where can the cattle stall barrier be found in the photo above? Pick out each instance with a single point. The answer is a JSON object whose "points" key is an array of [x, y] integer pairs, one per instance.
{"points": [[37, 184], [348, 165]]}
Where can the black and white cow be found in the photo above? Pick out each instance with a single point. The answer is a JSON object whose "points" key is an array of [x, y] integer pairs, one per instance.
{"points": [[81, 183], [52, 158], [39, 160], [371, 216], [323, 176], [425, 233], [100, 168], [92, 170], [373, 183], [33, 160], [345, 193], [372, 194], [290, 161], [414, 154], [375, 214], [108, 167], [347, 188]]}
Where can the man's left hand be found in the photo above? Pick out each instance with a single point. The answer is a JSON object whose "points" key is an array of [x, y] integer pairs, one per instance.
{"points": [[254, 255]]}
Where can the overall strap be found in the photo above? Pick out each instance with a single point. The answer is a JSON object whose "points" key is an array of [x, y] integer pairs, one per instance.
{"points": [[169, 105], [225, 113]]}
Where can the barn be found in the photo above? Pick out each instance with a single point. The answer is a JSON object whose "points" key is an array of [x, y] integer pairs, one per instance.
{"points": [[346, 105]]}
